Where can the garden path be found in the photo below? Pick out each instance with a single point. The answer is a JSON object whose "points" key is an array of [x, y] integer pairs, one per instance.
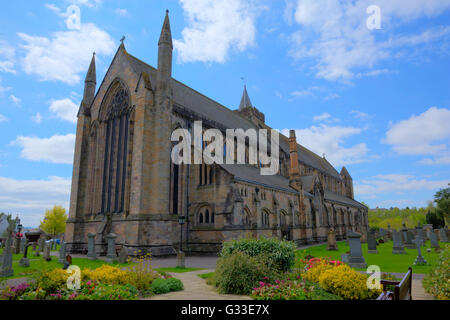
{"points": [[195, 288]]}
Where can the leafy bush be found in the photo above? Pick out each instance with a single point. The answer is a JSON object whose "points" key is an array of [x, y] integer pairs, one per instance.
{"points": [[291, 290], [437, 282], [239, 273], [160, 286], [106, 274], [52, 281], [14, 292], [280, 254]]}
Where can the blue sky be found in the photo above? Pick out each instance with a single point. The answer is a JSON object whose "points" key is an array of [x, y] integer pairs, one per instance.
{"points": [[376, 101]]}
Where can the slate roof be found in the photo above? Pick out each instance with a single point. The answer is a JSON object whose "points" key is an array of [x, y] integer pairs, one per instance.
{"points": [[190, 99]]}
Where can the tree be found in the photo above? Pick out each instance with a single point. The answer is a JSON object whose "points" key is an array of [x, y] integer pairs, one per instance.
{"points": [[442, 200], [54, 222]]}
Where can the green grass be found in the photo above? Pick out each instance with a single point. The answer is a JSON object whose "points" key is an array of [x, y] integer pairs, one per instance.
{"points": [[208, 275], [178, 269], [38, 264], [387, 261]]}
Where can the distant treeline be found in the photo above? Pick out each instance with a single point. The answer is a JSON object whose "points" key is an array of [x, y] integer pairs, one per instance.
{"points": [[436, 213]]}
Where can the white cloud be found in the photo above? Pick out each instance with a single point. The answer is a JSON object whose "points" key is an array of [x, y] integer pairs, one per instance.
{"points": [[7, 57], [3, 89], [87, 3], [37, 118], [56, 149], [396, 183], [65, 109], [3, 118], [121, 12], [437, 161], [360, 115], [325, 117], [330, 140], [66, 54], [30, 198], [315, 91], [15, 100], [425, 134], [215, 28], [333, 33]]}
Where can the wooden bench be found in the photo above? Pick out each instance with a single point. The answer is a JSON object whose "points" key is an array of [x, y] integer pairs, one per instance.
{"points": [[402, 289]]}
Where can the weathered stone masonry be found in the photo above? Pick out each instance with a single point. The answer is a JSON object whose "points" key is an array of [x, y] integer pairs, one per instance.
{"points": [[124, 181]]}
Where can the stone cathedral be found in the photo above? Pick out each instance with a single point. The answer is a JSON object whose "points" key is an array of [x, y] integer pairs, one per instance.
{"points": [[125, 183]]}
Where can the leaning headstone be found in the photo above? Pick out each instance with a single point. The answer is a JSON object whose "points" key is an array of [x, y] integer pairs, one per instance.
{"points": [[410, 240], [47, 250], [24, 261], [62, 252], [434, 241], [420, 260], [92, 255], [419, 235], [398, 247], [111, 256], [355, 258], [332, 246], [371, 242], [443, 235], [123, 255], [6, 269]]}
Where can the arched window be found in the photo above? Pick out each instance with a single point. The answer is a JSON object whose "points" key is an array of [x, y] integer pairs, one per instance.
{"points": [[212, 217], [207, 216], [200, 218], [116, 118]]}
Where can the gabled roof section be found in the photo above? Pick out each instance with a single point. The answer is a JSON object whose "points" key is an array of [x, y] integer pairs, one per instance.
{"points": [[191, 99]]}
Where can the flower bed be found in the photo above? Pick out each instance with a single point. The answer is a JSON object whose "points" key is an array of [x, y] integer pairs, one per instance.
{"points": [[437, 282], [104, 283]]}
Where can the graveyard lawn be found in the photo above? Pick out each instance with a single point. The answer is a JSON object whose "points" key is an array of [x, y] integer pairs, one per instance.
{"points": [[388, 262], [38, 264], [178, 270]]}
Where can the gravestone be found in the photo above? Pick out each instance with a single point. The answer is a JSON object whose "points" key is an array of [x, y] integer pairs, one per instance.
{"points": [[410, 240], [398, 247], [123, 255], [404, 232], [41, 244], [372, 242], [23, 243], [111, 256], [92, 255], [355, 258], [332, 245], [6, 269], [24, 261], [16, 245], [419, 234], [438, 234], [434, 241], [428, 228], [443, 235], [389, 233], [62, 252], [47, 250], [419, 260]]}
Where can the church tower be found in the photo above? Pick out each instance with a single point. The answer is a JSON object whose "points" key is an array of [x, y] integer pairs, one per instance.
{"points": [[80, 162]]}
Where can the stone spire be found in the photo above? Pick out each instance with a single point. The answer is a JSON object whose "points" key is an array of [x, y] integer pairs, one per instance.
{"points": [[294, 169], [165, 49], [90, 84], [245, 101]]}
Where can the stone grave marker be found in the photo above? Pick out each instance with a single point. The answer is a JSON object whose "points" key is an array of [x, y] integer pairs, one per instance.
{"points": [[24, 261], [6, 269], [420, 260], [23, 243], [372, 242], [355, 258], [332, 245], [92, 255], [398, 247], [443, 235], [410, 240], [47, 250], [62, 252], [434, 241], [123, 255], [111, 256]]}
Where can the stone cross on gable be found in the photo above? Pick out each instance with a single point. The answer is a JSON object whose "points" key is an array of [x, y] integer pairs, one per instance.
{"points": [[122, 39]]}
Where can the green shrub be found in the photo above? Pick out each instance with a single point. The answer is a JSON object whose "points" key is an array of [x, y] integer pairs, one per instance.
{"points": [[437, 282], [239, 273], [280, 254], [160, 285]]}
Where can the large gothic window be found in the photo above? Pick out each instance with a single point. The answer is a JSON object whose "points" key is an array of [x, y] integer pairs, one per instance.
{"points": [[116, 151]]}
